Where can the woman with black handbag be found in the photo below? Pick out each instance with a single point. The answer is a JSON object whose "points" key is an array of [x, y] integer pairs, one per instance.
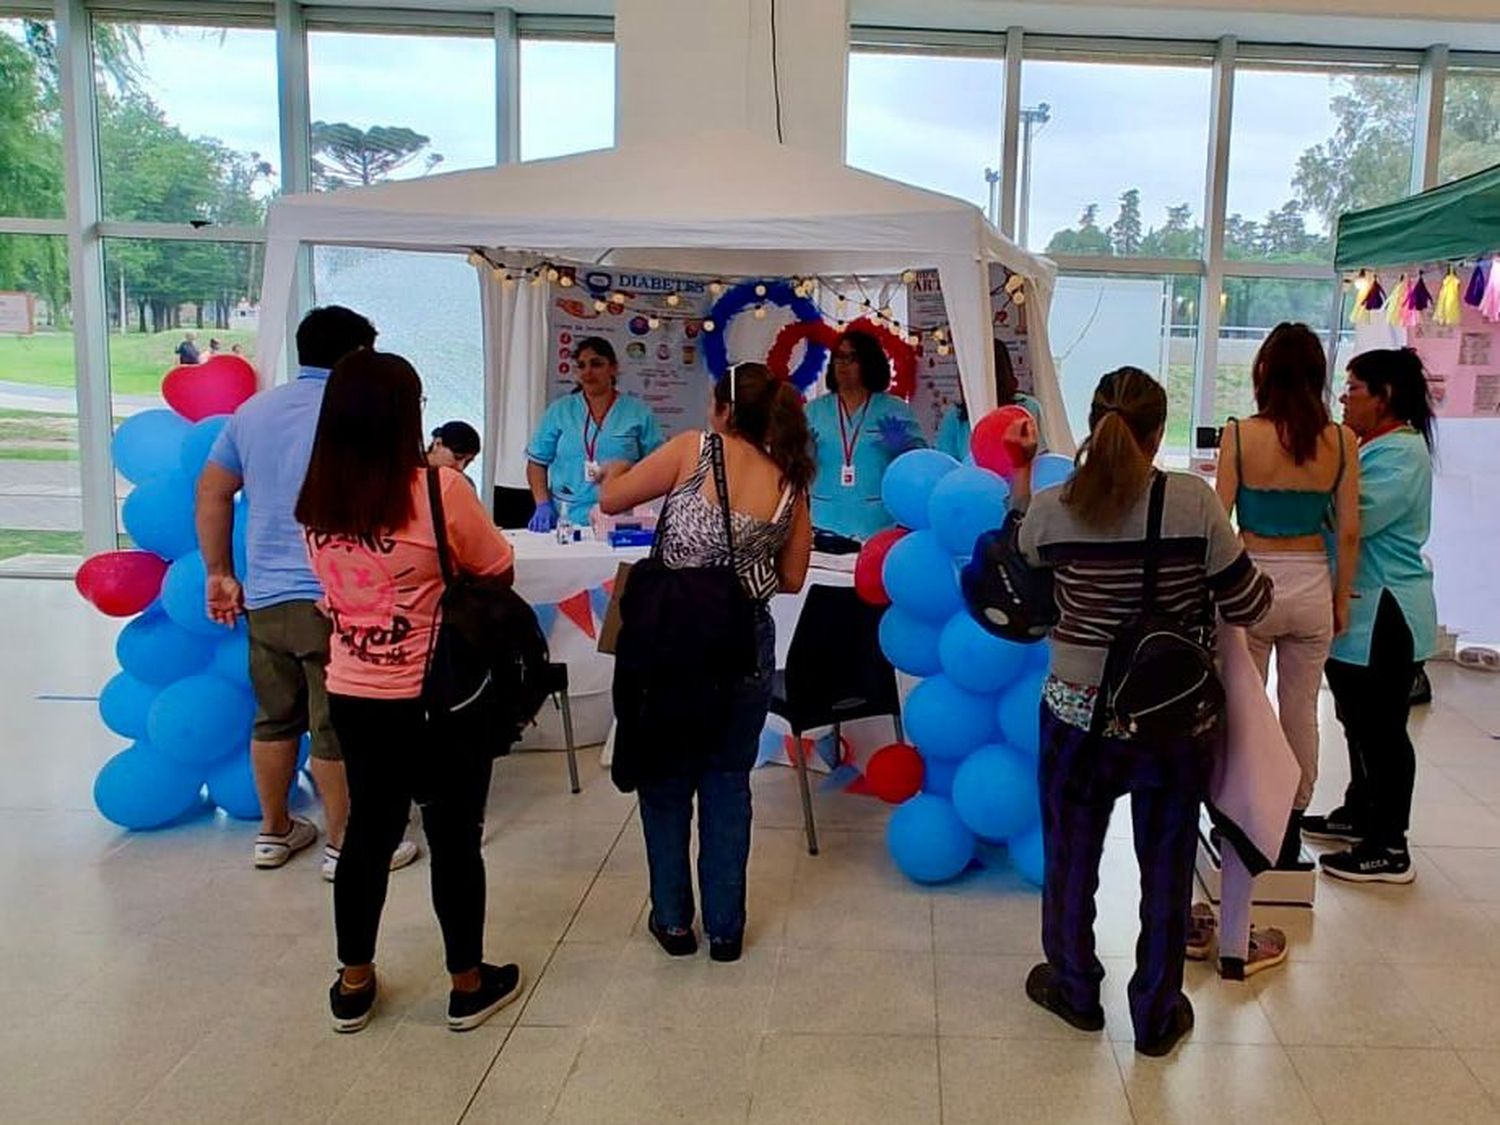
{"points": [[370, 531], [696, 649]]}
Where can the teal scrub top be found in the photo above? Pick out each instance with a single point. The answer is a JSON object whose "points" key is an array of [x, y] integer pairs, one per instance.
{"points": [[629, 432], [854, 510], [1395, 517], [953, 430]]}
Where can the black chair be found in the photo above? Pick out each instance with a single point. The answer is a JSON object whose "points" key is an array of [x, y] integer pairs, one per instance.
{"points": [[835, 673], [513, 507], [557, 688]]}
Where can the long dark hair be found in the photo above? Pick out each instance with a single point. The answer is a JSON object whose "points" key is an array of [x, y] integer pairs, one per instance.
{"points": [[1290, 373], [1114, 461], [1006, 387], [1396, 375], [368, 445], [869, 356], [767, 412]]}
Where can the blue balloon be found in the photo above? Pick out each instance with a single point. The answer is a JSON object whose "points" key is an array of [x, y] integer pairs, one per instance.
{"points": [[182, 596], [231, 786], [928, 841], [199, 719], [239, 541], [995, 792], [964, 505], [1050, 469], [938, 775], [1019, 714], [1029, 855], [158, 514], [304, 753], [977, 660], [920, 577], [124, 703], [154, 650], [142, 788], [944, 721], [197, 443], [908, 484], [149, 444], [909, 643], [231, 658]]}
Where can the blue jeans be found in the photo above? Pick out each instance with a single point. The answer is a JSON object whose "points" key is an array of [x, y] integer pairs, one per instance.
{"points": [[720, 777]]}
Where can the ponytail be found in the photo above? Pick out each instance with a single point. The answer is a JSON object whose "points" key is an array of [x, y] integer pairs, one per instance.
{"points": [[1114, 461], [767, 412]]}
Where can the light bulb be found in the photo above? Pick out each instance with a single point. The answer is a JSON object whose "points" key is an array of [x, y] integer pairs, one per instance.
{"points": [[943, 349], [885, 311], [708, 326], [760, 312], [618, 298], [908, 276], [536, 280], [716, 287], [600, 306], [674, 300], [760, 290], [1018, 297], [551, 274], [507, 282], [476, 259], [653, 322], [565, 281], [939, 334]]}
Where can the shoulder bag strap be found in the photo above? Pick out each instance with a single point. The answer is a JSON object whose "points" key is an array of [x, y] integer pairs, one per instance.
{"points": [[1153, 541], [721, 485], [439, 525]]}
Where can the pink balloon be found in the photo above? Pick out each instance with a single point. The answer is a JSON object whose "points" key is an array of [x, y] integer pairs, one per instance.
{"points": [[216, 386], [121, 583], [988, 441]]}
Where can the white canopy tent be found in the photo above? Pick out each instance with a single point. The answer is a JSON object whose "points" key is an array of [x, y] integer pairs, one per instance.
{"points": [[728, 204]]}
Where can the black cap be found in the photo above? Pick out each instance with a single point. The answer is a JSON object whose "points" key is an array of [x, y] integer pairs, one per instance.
{"points": [[459, 437]]}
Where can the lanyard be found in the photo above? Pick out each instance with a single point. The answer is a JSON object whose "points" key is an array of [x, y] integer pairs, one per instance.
{"points": [[588, 416], [845, 439]]}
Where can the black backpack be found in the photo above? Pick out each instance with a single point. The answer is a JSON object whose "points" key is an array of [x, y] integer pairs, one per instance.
{"points": [[486, 674], [1159, 681], [1005, 594]]}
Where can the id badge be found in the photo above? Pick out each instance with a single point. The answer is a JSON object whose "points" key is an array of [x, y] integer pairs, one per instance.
{"points": [[591, 471], [846, 476]]}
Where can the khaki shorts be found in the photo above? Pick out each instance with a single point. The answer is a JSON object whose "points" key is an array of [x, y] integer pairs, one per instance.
{"points": [[288, 655]]}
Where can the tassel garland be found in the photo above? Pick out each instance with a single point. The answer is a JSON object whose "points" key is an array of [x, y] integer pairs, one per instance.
{"points": [[1489, 307], [1475, 292], [1395, 308], [1449, 308]]}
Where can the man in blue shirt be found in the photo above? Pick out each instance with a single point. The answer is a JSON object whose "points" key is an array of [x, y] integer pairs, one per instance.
{"points": [[264, 450]]}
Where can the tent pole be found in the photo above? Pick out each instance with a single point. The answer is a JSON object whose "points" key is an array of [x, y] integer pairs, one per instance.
{"points": [[1336, 318]]}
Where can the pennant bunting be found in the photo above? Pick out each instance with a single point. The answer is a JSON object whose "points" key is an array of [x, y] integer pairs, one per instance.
{"points": [[576, 609]]}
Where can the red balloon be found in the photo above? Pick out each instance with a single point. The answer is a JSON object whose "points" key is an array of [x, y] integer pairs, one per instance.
{"points": [[894, 773], [992, 443], [868, 583], [121, 583], [215, 386]]}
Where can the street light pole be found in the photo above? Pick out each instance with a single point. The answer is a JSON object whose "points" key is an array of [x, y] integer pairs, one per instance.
{"points": [[1037, 116], [992, 177]]}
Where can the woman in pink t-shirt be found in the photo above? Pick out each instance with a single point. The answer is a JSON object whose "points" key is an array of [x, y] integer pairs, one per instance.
{"points": [[369, 528]]}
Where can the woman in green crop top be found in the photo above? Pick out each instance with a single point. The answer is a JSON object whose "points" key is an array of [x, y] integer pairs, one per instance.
{"points": [[1290, 476]]}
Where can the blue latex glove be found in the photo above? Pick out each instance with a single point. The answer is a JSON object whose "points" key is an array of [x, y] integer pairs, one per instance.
{"points": [[896, 434], [544, 518]]}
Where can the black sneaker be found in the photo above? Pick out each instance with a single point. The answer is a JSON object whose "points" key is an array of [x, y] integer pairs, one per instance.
{"points": [[1041, 988], [729, 949], [1370, 863], [682, 944], [351, 1010], [1180, 1024], [1337, 825], [498, 986]]}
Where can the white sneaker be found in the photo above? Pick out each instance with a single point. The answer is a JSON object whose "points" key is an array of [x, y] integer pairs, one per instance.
{"points": [[405, 854], [273, 851]]}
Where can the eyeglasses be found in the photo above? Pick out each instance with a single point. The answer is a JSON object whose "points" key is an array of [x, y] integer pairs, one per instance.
{"points": [[844, 357]]}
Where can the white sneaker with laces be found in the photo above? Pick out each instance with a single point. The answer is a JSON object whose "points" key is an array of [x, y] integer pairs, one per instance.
{"points": [[405, 854], [272, 850]]}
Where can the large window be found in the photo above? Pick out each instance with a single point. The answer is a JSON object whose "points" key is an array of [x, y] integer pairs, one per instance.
{"points": [[930, 120], [1309, 142], [567, 97], [1113, 157], [391, 107], [187, 122], [1249, 308], [1471, 123], [31, 176]]}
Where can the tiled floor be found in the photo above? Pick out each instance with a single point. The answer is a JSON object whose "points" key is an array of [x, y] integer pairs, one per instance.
{"points": [[157, 977]]}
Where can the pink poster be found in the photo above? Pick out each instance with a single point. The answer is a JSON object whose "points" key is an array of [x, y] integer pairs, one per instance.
{"points": [[1463, 365]]}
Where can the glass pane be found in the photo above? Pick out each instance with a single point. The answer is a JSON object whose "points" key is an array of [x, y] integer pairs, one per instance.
{"points": [[947, 139], [1250, 308], [1471, 123], [40, 486], [187, 122], [567, 97], [1308, 143], [394, 107], [31, 175], [1117, 155], [426, 307], [1103, 321]]}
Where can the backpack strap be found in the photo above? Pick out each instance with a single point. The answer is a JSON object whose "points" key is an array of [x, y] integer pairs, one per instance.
{"points": [[1153, 541], [1338, 478], [1239, 451], [721, 485], [439, 525]]}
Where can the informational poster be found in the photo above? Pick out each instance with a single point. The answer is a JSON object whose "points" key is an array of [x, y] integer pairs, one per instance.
{"points": [[937, 375], [656, 333], [1463, 365], [17, 314]]}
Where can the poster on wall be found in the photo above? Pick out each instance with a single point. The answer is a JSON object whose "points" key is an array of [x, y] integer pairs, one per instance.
{"points": [[661, 365], [1463, 365], [937, 375]]}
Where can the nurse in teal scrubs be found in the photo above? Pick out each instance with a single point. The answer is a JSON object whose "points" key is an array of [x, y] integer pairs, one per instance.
{"points": [[857, 431], [953, 430], [581, 431]]}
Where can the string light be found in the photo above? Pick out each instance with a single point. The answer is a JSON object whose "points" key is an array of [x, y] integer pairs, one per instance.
{"points": [[566, 280], [760, 312], [552, 273], [618, 298], [653, 322], [600, 306], [908, 276], [708, 326], [760, 290], [716, 287], [674, 300]]}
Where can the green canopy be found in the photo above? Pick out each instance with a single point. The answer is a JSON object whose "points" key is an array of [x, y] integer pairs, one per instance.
{"points": [[1457, 220]]}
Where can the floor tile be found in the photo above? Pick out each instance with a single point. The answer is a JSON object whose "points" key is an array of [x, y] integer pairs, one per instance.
{"points": [[524, 1083], [651, 990], [1225, 1011], [985, 1080], [1464, 1003], [854, 991], [1392, 1086], [1217, 1082], [985, 995], [846, 1078], [1332, 1005]]}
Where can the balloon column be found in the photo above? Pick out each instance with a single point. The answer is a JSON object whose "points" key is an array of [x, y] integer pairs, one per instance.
{"points": [[183, 695], [974, 715]]}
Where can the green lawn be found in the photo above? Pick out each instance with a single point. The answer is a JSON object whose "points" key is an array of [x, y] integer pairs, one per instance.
{"points": [[13, 543], [1231, 399], [137, 361]]}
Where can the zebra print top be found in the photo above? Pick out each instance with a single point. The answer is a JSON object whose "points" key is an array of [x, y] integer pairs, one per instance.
{"points": [[694, 534]]}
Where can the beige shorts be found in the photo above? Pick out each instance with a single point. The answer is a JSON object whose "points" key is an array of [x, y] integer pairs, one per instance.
{"points": [[288, 656]]}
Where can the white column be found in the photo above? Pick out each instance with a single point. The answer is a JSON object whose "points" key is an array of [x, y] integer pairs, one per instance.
{"points": [[1214, 205]]}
